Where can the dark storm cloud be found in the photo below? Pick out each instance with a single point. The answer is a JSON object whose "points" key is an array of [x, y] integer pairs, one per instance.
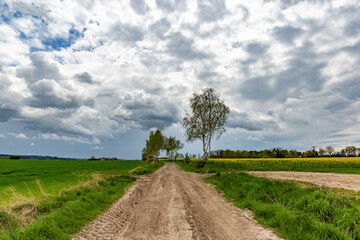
{"points": [[353, 49], [84, 77], [126, 33], [47, 93], [287, 34], [337, 106], [139, 6], [290, 3], [7, 113], [257, 88], [304, 73], [242, 120], [171, 5], [236, 45], [40, 69], [301, 74], [245, 12], [5, 83], [160, 27], [182, 48], [299, 77], [349, 88], [352, 29], [211, 10], [147, 111], [206, 75], [256, 49]]}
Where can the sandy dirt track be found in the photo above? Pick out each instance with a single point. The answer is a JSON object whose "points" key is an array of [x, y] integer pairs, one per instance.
{"points": [[332, 180], [173, 204]]}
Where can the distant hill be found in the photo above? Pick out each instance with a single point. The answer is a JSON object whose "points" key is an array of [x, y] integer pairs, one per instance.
{"points": [[40, 157]]}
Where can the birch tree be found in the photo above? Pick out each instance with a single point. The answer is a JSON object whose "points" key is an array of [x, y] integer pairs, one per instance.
{"points": [[207, 119]]}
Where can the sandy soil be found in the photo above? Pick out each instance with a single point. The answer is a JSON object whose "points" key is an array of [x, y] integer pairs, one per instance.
{"points": [[332, 180], [173, 204]]}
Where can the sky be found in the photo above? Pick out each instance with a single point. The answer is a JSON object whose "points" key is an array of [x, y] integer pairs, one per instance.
{"points": [[92, 78]]}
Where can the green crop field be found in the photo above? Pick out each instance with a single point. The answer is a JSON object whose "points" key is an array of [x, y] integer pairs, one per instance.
{"points": [[36, 196], [33, 178]]}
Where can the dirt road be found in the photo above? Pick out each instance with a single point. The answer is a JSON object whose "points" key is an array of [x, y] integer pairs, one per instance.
{"points": [[173, 204], [332, 180]]}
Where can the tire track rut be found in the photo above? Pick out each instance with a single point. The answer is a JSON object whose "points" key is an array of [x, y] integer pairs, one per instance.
{"points": [[173, 204]]}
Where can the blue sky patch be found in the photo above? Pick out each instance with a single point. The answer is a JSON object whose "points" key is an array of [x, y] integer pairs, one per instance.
{"points": [[59, 43], [17, 14]]}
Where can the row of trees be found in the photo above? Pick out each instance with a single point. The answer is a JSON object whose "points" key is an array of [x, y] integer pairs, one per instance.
{"points": [[158, 142], [329, 151], [205, 122]]}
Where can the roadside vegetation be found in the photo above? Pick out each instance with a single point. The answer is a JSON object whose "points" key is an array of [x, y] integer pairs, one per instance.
{"points": [[331, 164], [53, 199], [294, 210]]}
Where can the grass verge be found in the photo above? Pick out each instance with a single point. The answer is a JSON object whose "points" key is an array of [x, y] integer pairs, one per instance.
{"points": [[294, 212], [60, 216]]}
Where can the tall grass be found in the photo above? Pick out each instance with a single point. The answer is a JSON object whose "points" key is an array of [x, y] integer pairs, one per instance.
{"points": [[294, 212], [33, 179], [58, 217], [42, 199]]}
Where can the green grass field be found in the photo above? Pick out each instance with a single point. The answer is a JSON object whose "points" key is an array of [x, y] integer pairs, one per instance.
{"points": [[52, 199], [293, 211], [31, 179]]}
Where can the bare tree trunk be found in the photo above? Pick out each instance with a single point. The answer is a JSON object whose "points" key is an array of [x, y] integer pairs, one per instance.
{"points": [[206, 157], [205, 154]]}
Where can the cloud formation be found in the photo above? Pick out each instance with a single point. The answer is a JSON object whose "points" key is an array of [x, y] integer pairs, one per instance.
{"points": [[86, 73]]}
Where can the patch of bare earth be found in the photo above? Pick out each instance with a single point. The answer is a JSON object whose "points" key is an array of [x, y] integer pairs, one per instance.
{"points": [[330, 180], [173, 204]]}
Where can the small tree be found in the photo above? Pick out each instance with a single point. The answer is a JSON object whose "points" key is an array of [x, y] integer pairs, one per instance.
{"points": [[177, 146], [329, 150], [209, 114], [187, 159], [144, 154], [171, 147], [154, 145]]}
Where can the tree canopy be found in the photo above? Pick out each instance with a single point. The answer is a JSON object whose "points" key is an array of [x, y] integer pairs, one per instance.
{"points": [[154, 145], [171, 147], [207, 119]]}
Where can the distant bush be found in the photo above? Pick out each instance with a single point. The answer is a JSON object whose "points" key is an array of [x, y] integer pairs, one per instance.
{"points": [[186, 159], [14, 157]]}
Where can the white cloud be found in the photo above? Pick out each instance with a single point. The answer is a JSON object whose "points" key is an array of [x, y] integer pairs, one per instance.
{"points": [[54, 136], [21, 135], [97, 148], [282, 66]]}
